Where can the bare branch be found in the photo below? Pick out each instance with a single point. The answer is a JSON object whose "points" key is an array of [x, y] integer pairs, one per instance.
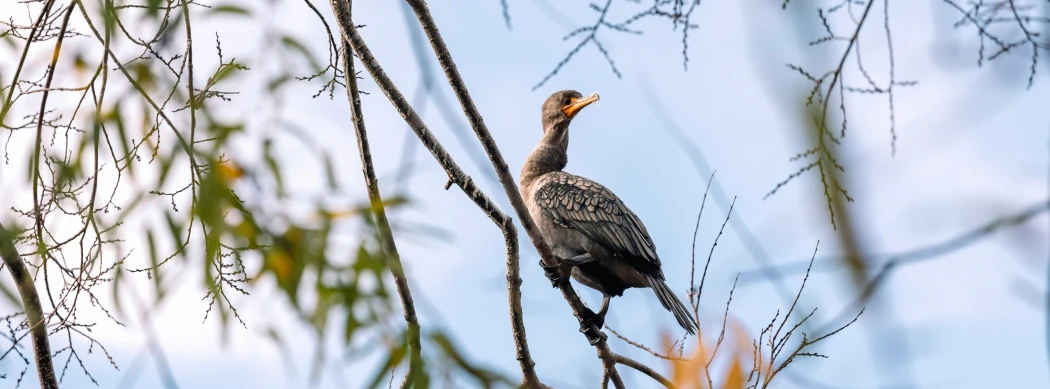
{"points": [[645, 370], [643, 347], [32, 307], [692, 260], [386, 234], [594, 334], [609, 372], [457, 176]]}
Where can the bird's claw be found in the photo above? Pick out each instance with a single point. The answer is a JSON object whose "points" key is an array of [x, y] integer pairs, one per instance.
{"points": [[552, 273], [597, 320], [589, 319]]}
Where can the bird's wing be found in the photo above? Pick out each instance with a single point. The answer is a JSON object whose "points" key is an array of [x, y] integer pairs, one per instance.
{"points": [[594, 210]]}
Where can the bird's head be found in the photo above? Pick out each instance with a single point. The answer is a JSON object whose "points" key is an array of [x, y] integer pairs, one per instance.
{"points": [[562, 106]]}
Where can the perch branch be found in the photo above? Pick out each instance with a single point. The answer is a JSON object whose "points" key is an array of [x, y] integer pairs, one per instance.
{"points": [[457, 176], [593, 333]]}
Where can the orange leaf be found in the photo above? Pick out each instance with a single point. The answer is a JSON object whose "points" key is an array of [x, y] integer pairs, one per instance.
{"points": [[687, 374], [735, 377]]}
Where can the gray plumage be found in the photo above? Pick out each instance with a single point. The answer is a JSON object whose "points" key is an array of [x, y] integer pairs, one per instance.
{"points": [[585, 223]]}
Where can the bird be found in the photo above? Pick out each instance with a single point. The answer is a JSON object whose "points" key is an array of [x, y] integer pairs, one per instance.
{"points": [[590, 230]]}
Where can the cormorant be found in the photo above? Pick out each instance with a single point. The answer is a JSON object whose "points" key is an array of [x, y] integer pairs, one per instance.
{"points": [[587, 226]]}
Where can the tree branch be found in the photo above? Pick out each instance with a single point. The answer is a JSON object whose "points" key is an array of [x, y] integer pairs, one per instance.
{"points": [[386, 234], [593, 333], [456, 175], [643, 347], [34, 312], [644, 369]]}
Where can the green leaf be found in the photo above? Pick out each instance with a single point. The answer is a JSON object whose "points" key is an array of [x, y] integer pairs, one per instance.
{"points": [[118, 276], [350, 295], [228, 9], [153, 8], [396, 356], [176, 232], [329, 172], [125, 146], [294, 45], [223, 131], [278, 82], [154, 259], [486, 378], [166, 163], [225, 71], [274, 167], [109, 17]]}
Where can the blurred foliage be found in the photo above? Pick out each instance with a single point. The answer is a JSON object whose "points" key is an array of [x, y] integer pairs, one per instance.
{"points": [[138, 171]]}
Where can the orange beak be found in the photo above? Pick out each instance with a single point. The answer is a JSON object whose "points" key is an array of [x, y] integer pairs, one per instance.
{"points": [[577, 104]]}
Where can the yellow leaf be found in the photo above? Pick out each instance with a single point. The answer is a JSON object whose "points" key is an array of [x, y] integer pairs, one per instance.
{"points": [[281, 263], [230, 171], [344, 213], [246, 230], [79, 65]]}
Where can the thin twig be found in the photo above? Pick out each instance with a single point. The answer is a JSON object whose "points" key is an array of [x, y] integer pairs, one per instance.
{"points": [[643, 347], [696, 155], [692, 259]]}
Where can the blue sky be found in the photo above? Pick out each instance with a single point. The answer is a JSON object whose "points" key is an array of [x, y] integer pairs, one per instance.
{"points": [[972, 145]]}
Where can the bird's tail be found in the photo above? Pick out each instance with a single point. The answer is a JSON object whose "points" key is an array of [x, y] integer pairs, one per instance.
{"points": [[673, 304]]}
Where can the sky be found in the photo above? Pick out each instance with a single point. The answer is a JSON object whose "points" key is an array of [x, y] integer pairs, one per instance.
{"points": [[972, 145]]}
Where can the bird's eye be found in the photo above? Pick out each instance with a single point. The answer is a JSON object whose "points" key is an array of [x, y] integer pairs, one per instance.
{"points": [[568, 100]]}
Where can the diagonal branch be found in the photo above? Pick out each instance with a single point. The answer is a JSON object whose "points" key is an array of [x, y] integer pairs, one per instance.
{"points": [[386, 235], [644, 370], [593, 333], [643, 347], [456, 176], [31, 305]]}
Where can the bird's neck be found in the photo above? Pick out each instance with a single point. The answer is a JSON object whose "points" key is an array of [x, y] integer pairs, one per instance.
{"points": [[550, 155]]}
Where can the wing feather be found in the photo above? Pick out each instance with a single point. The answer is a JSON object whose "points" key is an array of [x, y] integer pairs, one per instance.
{"points": [[595, 211]]}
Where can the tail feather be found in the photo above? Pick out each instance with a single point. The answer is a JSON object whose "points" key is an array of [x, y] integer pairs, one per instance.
{"points": [[673, 304]]}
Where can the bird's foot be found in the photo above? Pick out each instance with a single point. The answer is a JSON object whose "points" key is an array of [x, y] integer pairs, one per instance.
{"points": [[552, 273], [564, 267], [591, 320]]}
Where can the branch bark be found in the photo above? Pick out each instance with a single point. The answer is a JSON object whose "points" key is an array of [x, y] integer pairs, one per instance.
{"points": [[593, 333], [34, 311], [385, 233], [341, 9], [645, 370]]}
